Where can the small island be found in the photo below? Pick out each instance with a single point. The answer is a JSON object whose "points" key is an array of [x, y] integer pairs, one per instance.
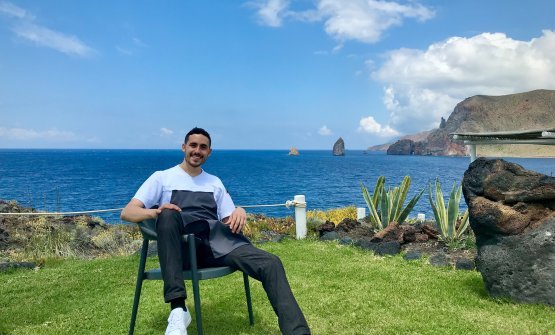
{"points": [[339, 147]]}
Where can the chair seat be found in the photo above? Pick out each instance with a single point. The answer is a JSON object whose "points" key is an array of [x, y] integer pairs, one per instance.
{"points": [[208, 273]]}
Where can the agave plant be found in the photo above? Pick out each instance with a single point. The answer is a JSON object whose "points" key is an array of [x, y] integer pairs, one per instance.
{"points": [[387, 206], [451, 226]]}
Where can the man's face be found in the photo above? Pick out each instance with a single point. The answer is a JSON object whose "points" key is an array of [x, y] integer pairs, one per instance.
{"points": [[197, 149]]}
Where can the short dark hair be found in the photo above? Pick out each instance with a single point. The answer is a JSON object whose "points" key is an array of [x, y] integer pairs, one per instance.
{"points": [[198, 131]]}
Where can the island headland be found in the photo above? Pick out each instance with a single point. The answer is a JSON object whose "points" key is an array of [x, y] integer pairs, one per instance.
{"points": [[483, 113]]}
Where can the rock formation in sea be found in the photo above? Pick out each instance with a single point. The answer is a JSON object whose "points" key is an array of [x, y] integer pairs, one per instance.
{"points": [[512, 214], [406, 147], [339, 147], [401, 147], [522, 111], [293, 152], [418, 137]]}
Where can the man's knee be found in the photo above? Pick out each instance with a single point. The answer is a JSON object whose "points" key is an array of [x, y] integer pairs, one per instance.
{"points": [[273, 263], [168, 219]]}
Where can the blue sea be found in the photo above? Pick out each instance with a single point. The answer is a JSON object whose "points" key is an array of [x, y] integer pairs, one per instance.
{"points": [[80, 180]]}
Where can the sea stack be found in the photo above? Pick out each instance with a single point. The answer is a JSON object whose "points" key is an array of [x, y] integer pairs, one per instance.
{"points": [[339, 148], [293, 152]]}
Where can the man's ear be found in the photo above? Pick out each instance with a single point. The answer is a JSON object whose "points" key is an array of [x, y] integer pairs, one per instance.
{"points": [[183, 147]]}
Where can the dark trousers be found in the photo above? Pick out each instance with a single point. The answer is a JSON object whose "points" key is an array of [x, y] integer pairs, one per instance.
{"points": [[257, 263]]}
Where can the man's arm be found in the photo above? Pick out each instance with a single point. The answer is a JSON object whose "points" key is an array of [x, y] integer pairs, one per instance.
{"points": [[135, 211], [237, 220]]}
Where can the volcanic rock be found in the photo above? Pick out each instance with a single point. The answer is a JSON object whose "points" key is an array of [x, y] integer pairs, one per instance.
{"points": [[401, 147], [347, 225], [412, 256], [430, 231], [326, 227], [4, 239], [16, 265], [512, 214], [439, 259], [380, 248], [339, 147], [346, 240], [329, 236], [464, 264], [419, 237]]}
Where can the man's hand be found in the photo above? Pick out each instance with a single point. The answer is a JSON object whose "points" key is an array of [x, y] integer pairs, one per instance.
{"points": [[237, 220], [135, 211], [167, 206]]}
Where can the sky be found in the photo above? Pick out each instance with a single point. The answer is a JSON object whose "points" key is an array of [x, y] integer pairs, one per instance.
{"points": [[261, 74]]}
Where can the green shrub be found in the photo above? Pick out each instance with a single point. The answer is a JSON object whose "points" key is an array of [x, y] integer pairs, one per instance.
{"points": [[451, 225], [50, 236], [257, 223], [313, 224], [334, 215], [387, 206], [47, 240]]}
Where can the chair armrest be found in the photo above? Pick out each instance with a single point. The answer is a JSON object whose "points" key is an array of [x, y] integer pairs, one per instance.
{"points": [[148, 229], [189, 237]]}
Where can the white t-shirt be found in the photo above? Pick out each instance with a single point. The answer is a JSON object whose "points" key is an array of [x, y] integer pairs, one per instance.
{"points": [[157, 189]]}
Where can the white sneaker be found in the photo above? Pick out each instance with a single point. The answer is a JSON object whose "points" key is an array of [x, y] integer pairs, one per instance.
{"points": [[178, 321]]}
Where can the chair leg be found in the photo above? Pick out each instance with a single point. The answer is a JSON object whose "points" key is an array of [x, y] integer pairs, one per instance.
{"points": [[248, 294], [138, 286], [195, 281], [198, 312]]}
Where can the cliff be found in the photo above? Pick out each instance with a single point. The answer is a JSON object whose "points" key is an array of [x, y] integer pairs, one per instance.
{"points": [[418, 137], [481, 113]]}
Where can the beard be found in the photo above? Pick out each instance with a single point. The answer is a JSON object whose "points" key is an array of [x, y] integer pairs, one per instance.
{"points": [[195, 161]]}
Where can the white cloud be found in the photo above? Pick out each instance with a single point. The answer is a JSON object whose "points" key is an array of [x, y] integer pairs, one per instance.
{"points": [[270, 12], [338, 47], [45, 37], [421, 86], [138, 42], [370, 126], [362, 20], [132, 47], [22, 134], [166, 132], [9, 9], [324, 131], [25, 27], [124, 51], [366, 20]]}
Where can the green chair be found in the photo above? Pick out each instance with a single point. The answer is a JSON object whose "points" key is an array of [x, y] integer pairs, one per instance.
{"points": [[148, 230]]}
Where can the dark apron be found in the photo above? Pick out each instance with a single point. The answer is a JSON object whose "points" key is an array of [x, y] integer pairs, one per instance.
{"points": [[199, 212]]}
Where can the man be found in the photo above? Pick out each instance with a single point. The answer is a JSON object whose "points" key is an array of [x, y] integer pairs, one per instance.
{"points": [[190, 200]]}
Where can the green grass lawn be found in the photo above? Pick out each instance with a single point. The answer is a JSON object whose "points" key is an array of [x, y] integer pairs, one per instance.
{"points": [[341, 289]]}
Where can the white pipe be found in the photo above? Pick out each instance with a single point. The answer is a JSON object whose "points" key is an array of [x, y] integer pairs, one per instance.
{"points": [[300, 216], [361, 213], [472, 148]]}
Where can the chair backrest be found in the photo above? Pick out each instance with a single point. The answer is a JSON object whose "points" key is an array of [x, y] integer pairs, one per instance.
{"points": [[148, 229]]}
